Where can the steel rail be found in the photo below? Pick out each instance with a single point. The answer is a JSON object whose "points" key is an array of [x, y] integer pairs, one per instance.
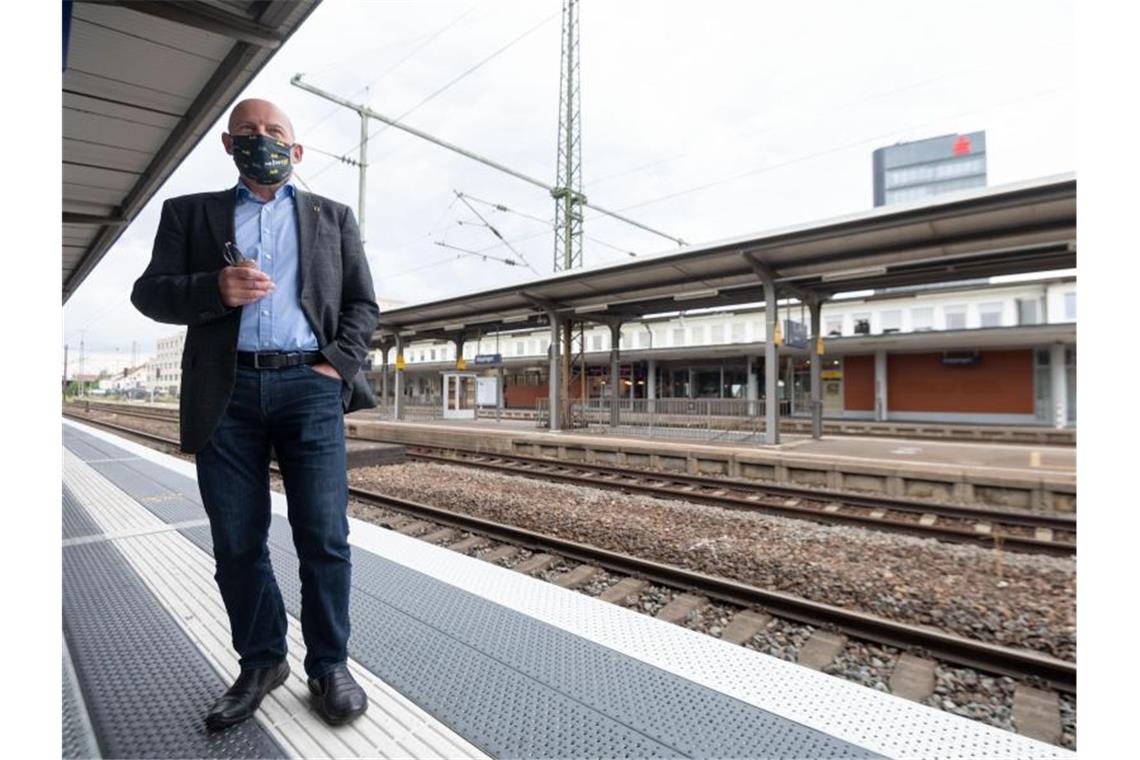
{"points": [[635, 482], [993, 658]]}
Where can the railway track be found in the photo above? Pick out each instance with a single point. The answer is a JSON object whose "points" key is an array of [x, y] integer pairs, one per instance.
{"points": [[1049, 534], [1001, 529], [1021, 664]]}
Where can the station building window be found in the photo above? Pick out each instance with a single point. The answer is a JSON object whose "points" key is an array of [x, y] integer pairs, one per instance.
{"points": [[833, 326], [642, 339], [707, 382], [1071, 307], [519, 348], [735, 382], [955, 317], [697, 335], [862, 323], [890, 321], [990, 314], [679, 336], [717, 334], [1028, 311], [922, 318], [738, 332]]}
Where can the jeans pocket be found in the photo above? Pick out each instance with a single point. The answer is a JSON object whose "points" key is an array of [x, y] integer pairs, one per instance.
{"points": [[323, 376]]}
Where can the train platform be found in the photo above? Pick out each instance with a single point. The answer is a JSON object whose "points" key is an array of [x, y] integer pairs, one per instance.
{"points": [[1026, 476], [460, 658]]}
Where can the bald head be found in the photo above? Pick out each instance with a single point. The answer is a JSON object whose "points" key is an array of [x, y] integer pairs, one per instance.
{"points": [[256, 116]]}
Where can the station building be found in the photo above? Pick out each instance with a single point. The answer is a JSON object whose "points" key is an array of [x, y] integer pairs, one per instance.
{"points": [[955, 309], [969, 354], [165, 370]]}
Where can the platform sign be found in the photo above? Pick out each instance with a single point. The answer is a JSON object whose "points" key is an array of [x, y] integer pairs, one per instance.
{"points": [[487, 391], [400, 362], [488, 360], [461, 363], [795, 334], [961, 358]]}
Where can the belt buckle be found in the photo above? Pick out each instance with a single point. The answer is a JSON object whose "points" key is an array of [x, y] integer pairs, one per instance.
{"points": [[257, 360]]}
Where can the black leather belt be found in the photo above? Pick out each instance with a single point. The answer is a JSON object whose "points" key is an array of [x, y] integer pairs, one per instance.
{"points": [[278, 359]]}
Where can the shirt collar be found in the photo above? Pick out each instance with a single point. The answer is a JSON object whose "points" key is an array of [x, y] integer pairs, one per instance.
{"points": [[243, 193]]}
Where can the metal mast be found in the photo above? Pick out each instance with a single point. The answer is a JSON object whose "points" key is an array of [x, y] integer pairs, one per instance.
{"points": [[567, 192]]}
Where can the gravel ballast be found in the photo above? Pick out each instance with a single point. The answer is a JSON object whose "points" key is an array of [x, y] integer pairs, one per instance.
{"points": [[1017, 600]]}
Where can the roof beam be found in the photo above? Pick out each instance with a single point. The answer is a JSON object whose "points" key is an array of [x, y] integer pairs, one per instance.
{"points": [[763, 270], [208, 19], [543, 304], [92, 220]]}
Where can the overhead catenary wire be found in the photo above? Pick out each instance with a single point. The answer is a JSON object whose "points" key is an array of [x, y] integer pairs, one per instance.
{"points": [[445, 87], [958, 71], [548, 222], [431, 37], [835, 149], [480, 254], [495, 232]]}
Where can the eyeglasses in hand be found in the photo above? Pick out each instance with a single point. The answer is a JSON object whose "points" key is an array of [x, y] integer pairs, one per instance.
{"points": [[235, 258]]}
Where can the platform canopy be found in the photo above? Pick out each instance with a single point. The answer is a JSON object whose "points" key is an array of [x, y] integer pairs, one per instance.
{"points": [[1019, 228], [142, 82]]}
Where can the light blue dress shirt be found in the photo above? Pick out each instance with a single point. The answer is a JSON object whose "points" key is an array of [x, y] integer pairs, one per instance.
{"points": [[267, 231]]}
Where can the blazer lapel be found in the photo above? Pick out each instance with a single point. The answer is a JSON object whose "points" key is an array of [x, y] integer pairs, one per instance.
{"points": [[307, 208], [220, 219]]}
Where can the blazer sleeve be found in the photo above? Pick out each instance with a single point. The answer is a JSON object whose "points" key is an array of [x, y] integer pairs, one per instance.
{"points": [[359, 313], [166, 291]]}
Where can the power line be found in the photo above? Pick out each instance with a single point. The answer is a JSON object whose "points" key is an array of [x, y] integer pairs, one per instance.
{"points": [[548, 222], [495, 232], [481, 254], [429, 265], [431, 37], [836, 149], [449, 85], [806, 116]]}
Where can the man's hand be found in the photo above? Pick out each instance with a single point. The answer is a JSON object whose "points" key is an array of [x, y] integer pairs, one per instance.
{"points": [[326, 369], [242, 285]]}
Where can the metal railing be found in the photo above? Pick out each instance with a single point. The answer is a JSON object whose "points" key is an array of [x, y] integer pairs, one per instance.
{"points": [[708, 419], [409, 411]]}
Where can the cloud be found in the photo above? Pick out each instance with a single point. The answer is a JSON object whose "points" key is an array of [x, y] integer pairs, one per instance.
{"points": [[793, 98]]}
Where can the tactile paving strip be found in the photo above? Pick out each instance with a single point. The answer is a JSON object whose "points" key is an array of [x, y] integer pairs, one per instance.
{"points": [[516, 686], [181, 576], [76, 522], [147, 685], [77, 737]]}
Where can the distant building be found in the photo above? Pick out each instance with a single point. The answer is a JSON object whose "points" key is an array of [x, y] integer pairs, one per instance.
{"points": [[166, 367], [914, 170], [131, 379]]}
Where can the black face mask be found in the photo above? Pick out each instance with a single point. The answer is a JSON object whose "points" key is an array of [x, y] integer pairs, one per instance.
{"points": [[262, 159]]}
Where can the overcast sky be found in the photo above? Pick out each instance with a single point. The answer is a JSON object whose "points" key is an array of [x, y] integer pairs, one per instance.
{"points": [[703, 120]]}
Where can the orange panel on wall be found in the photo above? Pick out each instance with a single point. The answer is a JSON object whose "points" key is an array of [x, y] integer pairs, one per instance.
{"points": [[859, 383], [1002, 382]]}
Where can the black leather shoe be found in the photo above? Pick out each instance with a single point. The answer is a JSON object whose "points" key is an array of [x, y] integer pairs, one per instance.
{"points": [[241, 700], [337, 697]]}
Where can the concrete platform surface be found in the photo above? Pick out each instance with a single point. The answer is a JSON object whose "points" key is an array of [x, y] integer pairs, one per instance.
{"points": [[1005, 457], [460, 658]]}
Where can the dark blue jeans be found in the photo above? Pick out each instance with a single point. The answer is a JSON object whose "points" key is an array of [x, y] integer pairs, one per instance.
{"points": [[298, 412]]}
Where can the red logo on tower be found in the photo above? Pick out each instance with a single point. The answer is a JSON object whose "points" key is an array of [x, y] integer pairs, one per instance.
{"points": [[961, 145]]}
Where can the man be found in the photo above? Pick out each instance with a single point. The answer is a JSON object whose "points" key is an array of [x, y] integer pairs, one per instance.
{"points": [[275, 288]]}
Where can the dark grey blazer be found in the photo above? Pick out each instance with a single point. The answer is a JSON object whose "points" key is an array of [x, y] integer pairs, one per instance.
{"points": [[180, 286]]}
